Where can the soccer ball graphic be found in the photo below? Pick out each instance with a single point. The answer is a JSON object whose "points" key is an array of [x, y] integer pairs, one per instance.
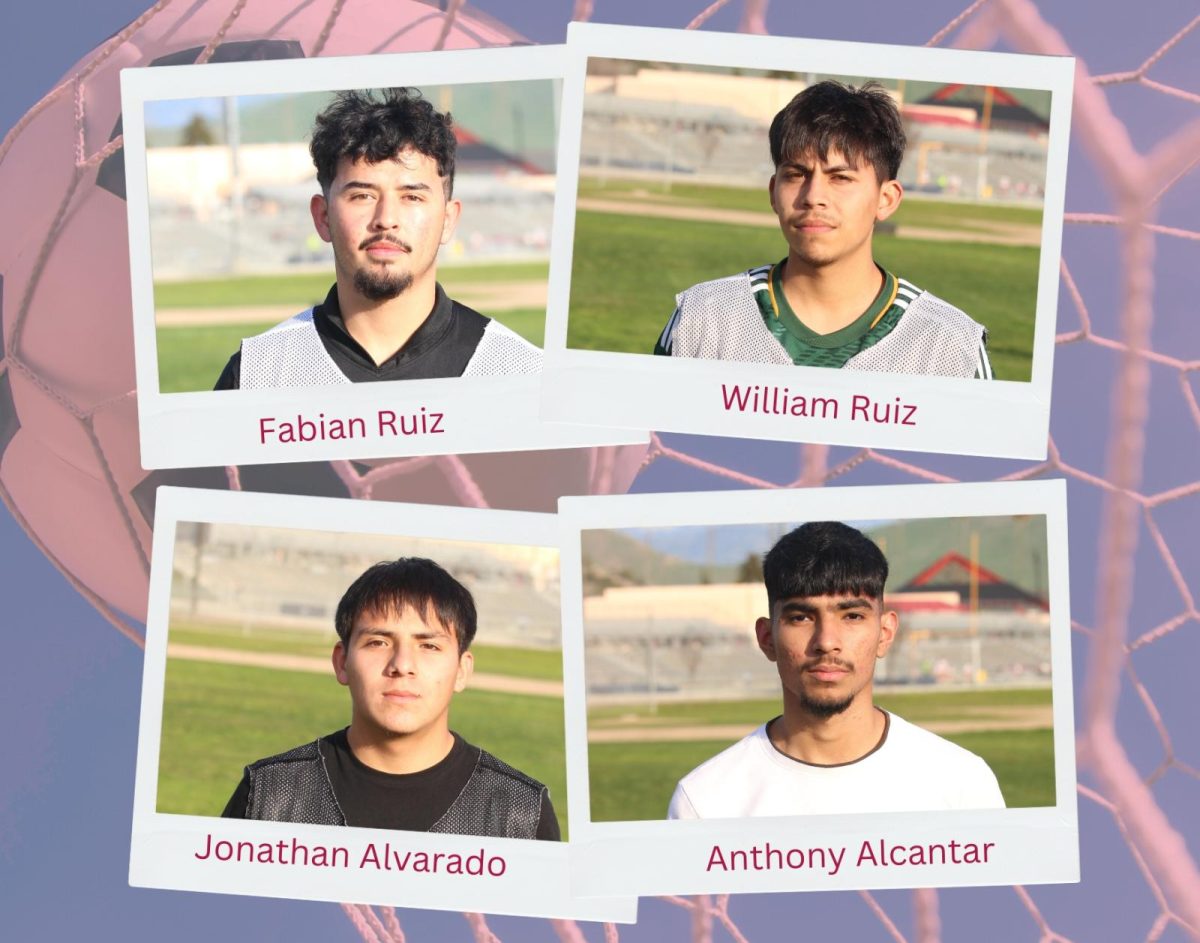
{"points": [[69, 468]]}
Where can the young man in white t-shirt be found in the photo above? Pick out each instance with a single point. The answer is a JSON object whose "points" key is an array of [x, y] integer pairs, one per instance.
{"points": [[831, 750]]}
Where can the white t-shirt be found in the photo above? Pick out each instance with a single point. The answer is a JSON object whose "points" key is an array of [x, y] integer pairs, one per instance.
{"points": [[911, 770]]}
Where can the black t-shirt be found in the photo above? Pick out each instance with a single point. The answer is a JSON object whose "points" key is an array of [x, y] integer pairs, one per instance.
{"points": [[441, 347], [412, 802]]}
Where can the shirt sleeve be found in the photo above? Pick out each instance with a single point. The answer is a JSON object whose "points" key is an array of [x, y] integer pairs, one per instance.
{"points": [[681, 806], [547, 827], [666, 340], [235, 808], [231, 376]]}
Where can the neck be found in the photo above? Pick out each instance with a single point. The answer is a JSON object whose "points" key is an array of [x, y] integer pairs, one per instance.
{"points": [[383, 327], [406, 753], [827, 741], [826, 298]]}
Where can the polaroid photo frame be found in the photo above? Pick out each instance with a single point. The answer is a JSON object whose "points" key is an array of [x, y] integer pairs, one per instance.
{"points": [[200, 427], [319, 541], [633, 647], [597, 374]]}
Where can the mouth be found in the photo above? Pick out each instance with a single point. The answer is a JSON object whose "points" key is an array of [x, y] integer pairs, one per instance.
{"points": [[385, 248], [827, 672], [402, 697], [812, 225]]}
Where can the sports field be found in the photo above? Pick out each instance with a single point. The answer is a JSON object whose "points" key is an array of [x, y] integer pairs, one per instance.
{"points": [[632, 779], [633, 253], [219, 717], [201, 323]]}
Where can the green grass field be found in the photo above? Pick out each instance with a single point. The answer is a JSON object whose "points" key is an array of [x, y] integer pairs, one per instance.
{"points": [[218, 718], [913, 211], [310, 288], [190, 358], [634, 781], [917, 706], [539, 664], [628, 268]]}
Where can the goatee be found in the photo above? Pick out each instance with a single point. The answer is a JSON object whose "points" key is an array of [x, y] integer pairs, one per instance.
{"points": [[381, 286]]}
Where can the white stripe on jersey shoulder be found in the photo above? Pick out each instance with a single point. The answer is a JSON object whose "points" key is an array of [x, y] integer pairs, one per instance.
{"points": [[759, 270], [667, 337], [904, 286], [985, 365]]}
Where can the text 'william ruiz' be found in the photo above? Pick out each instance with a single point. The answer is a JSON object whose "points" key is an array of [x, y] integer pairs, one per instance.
{"points": [[386, 423], [781, 401]]}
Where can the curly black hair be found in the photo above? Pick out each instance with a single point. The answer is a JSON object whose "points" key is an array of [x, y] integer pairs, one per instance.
{"points": [[376, 126]]}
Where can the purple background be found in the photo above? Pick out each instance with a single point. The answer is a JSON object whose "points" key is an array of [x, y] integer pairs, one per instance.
{"points": [[71, 684]]}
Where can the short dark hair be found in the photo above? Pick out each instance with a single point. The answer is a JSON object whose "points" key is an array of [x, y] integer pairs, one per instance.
{"points": [[863, 123], [364, 125], [409, 583], [824, 558]]}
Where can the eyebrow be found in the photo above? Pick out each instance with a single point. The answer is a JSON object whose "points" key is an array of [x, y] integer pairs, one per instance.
{"points": [[428, 633], [858, 602], [364, 185], [838, 168]]}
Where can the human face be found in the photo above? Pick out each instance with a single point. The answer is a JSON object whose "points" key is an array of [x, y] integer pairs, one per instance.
{"points": [[385, 222], [825, 648], [402, 673], [828, 208]]}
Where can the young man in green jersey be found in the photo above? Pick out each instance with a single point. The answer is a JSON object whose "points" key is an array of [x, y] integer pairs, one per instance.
{"points": [[837, 152]]}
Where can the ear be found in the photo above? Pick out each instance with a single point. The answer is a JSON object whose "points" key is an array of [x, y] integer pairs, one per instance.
{"points": [[320, 216], [339, 663], [890, 195], [889, 625], [466, 667], [771, 192], [453, 210], [764, 632]]}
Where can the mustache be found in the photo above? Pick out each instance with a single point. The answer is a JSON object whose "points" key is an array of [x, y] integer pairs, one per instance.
{"points": [[829, 663], [373, 240]]}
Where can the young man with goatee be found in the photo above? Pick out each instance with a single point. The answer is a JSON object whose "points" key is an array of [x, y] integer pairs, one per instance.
{"points": [[837, 152], [832, 749], [404, 630], [385, 165]]}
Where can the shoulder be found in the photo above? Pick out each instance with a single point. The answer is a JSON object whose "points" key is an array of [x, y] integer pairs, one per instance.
{"points": [[297, 322], [716, 770], [754, 279], [305, 753], [512, 777], [929, 307], [498, 349], [917, 742]]}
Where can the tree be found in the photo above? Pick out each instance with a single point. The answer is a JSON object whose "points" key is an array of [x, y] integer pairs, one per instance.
{"points": [[750, 570], [197, 132]]}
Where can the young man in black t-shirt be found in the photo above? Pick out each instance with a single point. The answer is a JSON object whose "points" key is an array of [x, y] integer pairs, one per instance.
{"points": [[404, 630], [385, 165]]}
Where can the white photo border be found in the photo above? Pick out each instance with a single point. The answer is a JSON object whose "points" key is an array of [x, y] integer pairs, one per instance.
{"points": [[996, 418], [1035, 845], [163, 846], [477, 414]]}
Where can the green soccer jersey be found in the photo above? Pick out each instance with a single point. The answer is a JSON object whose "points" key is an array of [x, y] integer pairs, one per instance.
{"points": [[805, 346]]}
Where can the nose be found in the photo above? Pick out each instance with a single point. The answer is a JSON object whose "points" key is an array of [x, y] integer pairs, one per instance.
{"points": [[402, 661], [387, 213], [815, 191], [825, 638]]}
